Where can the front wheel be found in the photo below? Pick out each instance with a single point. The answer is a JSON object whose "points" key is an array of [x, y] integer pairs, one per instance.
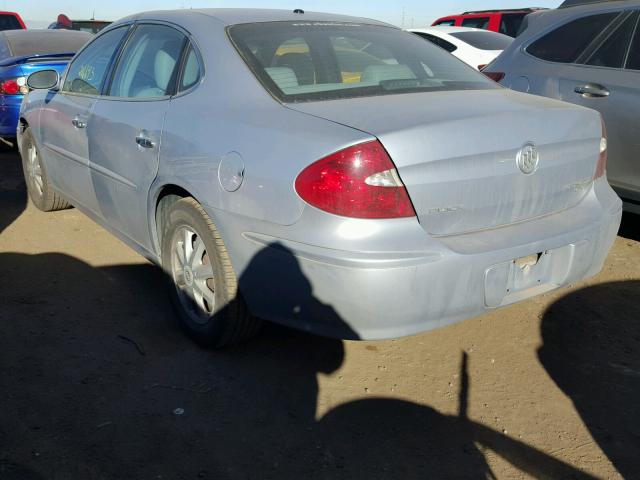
{"points": [[203, 285], [40, 191]]}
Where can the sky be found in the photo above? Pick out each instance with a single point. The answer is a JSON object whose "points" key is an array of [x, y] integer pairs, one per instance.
{"points": [[39, 13]]}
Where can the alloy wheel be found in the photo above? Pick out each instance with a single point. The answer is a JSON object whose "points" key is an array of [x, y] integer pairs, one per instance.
{"points": [[192, 273]]}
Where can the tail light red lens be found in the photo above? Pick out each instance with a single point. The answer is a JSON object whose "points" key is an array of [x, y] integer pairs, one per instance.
{"points": [[495, 76], [13, 86], [601, 167], [358, 182]]}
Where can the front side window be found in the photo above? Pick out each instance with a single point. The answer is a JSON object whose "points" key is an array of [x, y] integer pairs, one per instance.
{"points": [[448, 23], [613, 50], [566, 43], [87, 72], [149, 64], [298, 61], [476, 22]]}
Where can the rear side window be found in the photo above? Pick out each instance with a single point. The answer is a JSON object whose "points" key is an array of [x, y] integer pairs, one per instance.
{"points": [[476, 22], [87, 71], [633, 61], [149, 63], [191, 72], [566, 43], [9, 22], [613, 50], [484, 40], [441, 42], [510, 23], [300, 62]]}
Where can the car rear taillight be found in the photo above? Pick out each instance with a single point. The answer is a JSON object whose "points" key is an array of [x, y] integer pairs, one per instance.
{"points": [[495, 76], [601, 167], [359, 182], [14, 86], [480, 67]]}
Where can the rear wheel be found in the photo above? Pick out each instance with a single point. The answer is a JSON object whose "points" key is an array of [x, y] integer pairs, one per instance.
{"points": [[203, 285], [35, 175]]}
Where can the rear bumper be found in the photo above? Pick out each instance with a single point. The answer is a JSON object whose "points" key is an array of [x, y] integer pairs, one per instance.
{"points": [[365, 295]]}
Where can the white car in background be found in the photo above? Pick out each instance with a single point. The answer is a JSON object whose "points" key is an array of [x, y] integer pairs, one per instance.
{"points": [[474, 46]]}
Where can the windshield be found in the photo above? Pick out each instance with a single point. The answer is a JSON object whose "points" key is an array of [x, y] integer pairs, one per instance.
{"points": [[484, 40], [306, 61]]}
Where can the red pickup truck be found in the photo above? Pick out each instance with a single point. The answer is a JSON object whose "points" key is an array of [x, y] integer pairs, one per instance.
{"points": [[503, 21]]}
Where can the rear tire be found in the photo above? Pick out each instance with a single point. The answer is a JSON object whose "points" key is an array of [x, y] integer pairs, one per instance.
{"points": [[40, 191], [203, 286]]}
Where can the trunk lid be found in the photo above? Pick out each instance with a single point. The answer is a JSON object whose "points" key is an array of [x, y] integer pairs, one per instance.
{"points": [[456, 152]]}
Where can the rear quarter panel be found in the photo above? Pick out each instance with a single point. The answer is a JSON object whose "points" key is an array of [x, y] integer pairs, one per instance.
{"points": [[229, 115]]}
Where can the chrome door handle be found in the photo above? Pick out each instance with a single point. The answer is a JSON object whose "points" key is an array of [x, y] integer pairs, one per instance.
{"points": [[76, 122], [145, 142], [591, 90]]}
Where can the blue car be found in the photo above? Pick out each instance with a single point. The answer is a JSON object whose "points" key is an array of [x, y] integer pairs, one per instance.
{"points": [[23, 52]]}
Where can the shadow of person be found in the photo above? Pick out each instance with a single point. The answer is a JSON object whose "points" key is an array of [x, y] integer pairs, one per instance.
{"points": [[592, 351], [367, 438], [13, 191]]}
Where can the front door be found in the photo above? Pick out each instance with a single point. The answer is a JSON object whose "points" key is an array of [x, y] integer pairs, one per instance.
{"points": [[126, 137], [67, 118]]}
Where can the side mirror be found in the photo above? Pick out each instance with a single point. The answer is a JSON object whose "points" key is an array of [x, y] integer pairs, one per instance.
{"points": [[43, 80]]}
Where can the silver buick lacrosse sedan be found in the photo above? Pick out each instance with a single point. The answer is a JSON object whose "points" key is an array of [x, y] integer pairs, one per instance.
{"points": [[330, 173]]}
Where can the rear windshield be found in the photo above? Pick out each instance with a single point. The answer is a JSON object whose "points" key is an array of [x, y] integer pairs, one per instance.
{"points": [[9, 22], [89, 26], [484, 40], [307, 61], [42, 42]]}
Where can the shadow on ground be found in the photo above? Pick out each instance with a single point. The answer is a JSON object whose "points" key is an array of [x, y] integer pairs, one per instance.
{"points": [[13, 192], [92, 370], [630, 227], [592, 351], [98, 382]]}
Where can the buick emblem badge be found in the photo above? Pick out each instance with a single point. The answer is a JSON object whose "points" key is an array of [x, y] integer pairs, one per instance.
{"points": [[528, 159]]}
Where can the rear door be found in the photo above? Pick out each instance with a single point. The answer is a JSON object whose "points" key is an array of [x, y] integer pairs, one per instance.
{"points": [[66, 118], [126, 138], [599, 80]]}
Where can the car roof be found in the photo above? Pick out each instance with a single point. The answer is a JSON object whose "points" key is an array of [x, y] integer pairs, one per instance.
{"points": [[503, 10], [234, 16]]}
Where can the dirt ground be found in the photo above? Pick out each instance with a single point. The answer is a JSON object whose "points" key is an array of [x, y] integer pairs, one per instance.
{"points": [[98, 382]]}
